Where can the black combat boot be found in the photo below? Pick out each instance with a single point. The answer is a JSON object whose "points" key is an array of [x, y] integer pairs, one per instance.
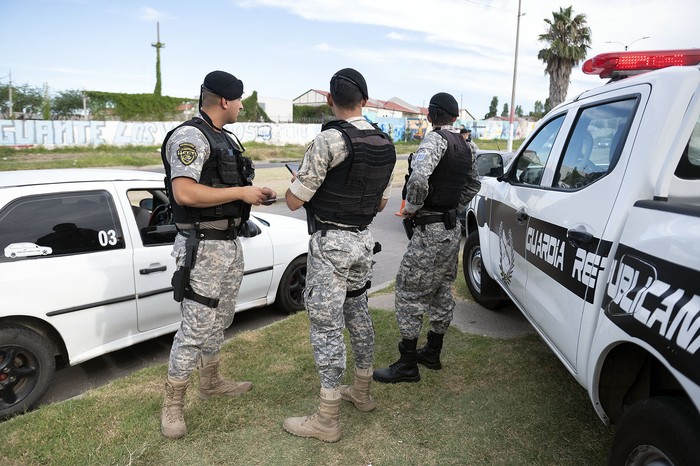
{"points": [[403, 370], [429, 355]]}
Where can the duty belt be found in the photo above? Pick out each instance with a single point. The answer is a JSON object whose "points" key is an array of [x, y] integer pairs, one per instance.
{"points": [[211, 234], [329, 226], [427, 219]]}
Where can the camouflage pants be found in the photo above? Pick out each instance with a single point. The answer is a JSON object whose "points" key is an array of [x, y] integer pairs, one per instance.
{"points": [[217, 273], [339, 262], [424, 281]]}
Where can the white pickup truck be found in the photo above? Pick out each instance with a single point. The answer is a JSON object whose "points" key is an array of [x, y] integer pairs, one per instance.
{"points": [[593, 231]]}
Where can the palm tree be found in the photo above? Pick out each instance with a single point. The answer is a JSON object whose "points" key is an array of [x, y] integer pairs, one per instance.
{"points": [[569, 39]]}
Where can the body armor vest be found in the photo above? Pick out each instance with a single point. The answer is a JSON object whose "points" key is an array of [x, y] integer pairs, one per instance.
{"points": [[352, 191], [225, 167], [447, 180]]}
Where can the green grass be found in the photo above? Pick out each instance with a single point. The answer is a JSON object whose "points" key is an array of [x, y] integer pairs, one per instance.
{"points": [[495, 402], [142, 156]]}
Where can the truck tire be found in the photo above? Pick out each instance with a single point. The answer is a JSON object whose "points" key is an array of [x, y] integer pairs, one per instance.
{"points": [[658, 431], [27, 365], [290, 293], [474, 274]]}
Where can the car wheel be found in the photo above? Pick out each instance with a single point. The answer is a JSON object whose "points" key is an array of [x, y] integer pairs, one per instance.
{"points": [[27, 365], [290, 293], [472, 267], [657, 431]]}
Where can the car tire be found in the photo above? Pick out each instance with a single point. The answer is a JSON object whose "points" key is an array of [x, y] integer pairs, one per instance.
{"points": [[660, 430], [290, 293], [474, 273], [27, 365]]}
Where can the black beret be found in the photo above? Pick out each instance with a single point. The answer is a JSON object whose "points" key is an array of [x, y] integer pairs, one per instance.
{"points": [[224, 84], [446, 102], [353, 76]]}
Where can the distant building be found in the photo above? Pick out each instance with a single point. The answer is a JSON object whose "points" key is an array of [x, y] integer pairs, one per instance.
{"points": [[392, 108], [278, 110]]}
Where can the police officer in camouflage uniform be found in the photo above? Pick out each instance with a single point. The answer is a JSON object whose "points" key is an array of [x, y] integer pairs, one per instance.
{"points": [[442, 178], [343, 181], [210, 188]]}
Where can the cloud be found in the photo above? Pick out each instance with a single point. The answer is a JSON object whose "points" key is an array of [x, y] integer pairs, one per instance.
{"points": [[150, 14], [398, 36]]}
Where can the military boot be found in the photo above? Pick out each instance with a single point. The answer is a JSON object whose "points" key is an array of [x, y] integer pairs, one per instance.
{"points": [[211, 383], [358, 392], [172, 420], [429, 355], [324, 424], [403, 370]]}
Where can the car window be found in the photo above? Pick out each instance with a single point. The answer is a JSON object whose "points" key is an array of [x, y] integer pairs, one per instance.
{"points": [[153, 217], [689, 165], [595, 143], [529, 167], [61, 223]]}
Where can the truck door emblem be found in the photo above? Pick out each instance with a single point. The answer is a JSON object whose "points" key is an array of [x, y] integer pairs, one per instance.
{"points": [[506, 253]]}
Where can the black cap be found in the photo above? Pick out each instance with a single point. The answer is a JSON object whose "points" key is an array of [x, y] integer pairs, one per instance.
{"points": [[352, 76], [446, 102], [224, 84]]}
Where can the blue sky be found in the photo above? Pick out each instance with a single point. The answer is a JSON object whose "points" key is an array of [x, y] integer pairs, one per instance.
{"points": [[282, 48]]}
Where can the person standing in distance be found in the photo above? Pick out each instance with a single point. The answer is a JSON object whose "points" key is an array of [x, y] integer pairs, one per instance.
{"points": [[442, 179], [467, 135], [210, 188], [343, 181]]}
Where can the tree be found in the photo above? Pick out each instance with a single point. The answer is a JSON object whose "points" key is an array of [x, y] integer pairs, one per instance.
{"points": [[568, 40], [493, 108], [67, 104], [519, 111], [538, 112], [26, 100], [506, 111], [252, 110]]}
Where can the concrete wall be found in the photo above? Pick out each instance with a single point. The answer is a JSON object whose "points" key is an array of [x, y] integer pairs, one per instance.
{"points": [[23, 133]]}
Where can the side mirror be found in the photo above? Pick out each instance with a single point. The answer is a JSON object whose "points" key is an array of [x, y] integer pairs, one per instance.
{"points": [[250, 229], [489, 164]]}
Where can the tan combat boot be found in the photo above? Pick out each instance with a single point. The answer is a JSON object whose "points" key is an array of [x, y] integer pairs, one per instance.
{"points": [[324, 424], [358, 393], [211, 383], [172, 420]]}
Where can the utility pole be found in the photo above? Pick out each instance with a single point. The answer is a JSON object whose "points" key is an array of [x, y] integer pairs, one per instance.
{"points": [[10, 103], [158, 45], [512, 95]]}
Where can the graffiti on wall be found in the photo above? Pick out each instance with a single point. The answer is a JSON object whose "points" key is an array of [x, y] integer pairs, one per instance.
{"points": [[120, 133], [64, 133]]}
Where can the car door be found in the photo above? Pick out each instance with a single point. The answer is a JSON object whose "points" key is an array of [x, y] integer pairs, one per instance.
{"points": [[152, 235], [567, 215], [84, 285], [509, 203], [258, 255]]}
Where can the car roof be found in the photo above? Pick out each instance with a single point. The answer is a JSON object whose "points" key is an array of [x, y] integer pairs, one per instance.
{"points": [[74, 175]]}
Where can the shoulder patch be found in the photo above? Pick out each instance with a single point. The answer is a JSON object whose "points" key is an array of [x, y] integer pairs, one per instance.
{"points": [[187, 153]]}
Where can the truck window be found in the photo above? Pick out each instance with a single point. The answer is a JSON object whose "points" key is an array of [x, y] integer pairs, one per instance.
{"points": [[529, 167], [595, 143], [689, 165]]}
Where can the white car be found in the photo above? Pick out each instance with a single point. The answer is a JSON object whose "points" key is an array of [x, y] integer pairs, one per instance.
{"points": [[104, 282], [26, 250]]}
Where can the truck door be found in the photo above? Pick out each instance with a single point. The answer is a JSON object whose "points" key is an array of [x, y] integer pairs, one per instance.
{"points": [[567, 217], [509, 212]]}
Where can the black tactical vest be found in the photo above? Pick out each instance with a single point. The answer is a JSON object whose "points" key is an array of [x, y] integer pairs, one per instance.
{"points": [[352, 191], [450, 175], [225, 167]]}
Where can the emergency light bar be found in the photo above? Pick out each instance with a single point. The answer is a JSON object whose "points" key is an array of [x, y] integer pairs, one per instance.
{"points": [[620, 64]]}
